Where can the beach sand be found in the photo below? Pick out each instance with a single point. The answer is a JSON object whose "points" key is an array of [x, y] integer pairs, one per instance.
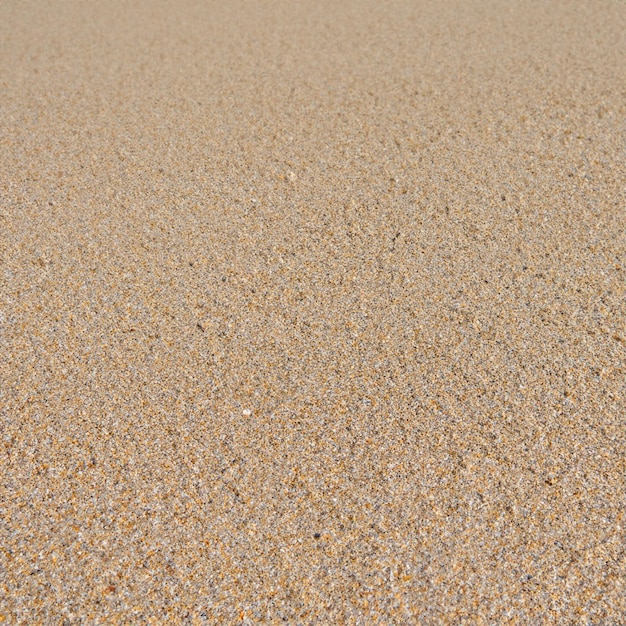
{"points": [[312, 312]]}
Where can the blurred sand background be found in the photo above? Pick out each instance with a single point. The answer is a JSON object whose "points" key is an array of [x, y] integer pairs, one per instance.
{"points": [[312, 312]]}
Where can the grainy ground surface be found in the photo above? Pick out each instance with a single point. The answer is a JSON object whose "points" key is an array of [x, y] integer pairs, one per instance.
{"points": [[313, 312]]}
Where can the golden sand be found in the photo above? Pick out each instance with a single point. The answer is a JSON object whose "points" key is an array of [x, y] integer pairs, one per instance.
{"points": [[312, 312]]}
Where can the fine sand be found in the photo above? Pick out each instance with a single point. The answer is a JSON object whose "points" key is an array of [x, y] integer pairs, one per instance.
{"points": [[312, 312]]}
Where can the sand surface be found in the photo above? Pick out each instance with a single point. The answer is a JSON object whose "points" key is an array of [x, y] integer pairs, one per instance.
{"points": [[312, 312]]}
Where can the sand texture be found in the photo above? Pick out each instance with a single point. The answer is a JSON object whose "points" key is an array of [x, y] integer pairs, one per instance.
{"points": [[313, 312]]}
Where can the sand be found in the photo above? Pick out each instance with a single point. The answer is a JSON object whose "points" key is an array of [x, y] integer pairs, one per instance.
{"points": [[312, 312]]}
